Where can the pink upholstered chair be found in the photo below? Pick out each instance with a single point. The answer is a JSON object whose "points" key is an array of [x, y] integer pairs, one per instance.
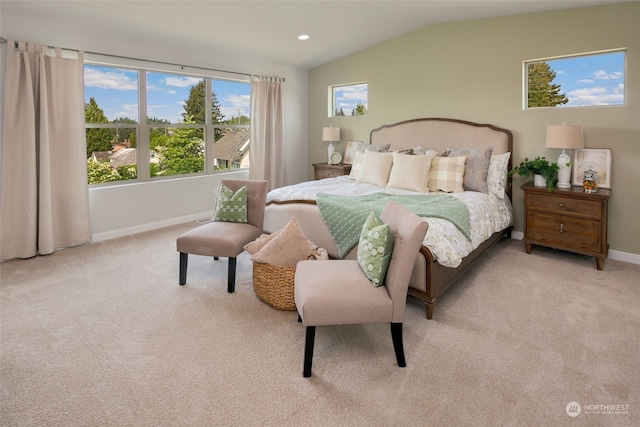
{"points": [[226, 239], [337, 292]]}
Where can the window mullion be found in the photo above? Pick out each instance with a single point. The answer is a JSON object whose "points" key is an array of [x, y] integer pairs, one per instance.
{"points": [[143, 138]]}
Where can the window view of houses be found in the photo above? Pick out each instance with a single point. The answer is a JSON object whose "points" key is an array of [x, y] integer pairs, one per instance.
{"points": [[173, 133]]}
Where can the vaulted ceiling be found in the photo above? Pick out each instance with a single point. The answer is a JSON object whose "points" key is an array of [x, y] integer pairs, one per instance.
{"points": [[268, 30]]}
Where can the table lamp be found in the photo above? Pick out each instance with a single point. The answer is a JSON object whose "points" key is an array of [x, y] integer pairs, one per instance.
{"points": [[566, 137], [330, 134]]}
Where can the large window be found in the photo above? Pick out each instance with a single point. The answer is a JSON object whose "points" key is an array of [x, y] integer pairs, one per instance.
{"points": [[348, 100], [585, 80], [143, 125]]}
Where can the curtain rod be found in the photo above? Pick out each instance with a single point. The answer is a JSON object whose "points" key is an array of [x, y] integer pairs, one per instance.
{"points": [[3, 41]]}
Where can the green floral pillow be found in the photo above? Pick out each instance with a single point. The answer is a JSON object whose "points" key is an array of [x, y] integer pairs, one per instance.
{"points": [[231, 207], [374, 249]]}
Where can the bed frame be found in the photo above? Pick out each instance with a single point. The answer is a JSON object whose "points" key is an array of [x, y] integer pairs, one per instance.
{"points": [[437, 134], [429, 279]]}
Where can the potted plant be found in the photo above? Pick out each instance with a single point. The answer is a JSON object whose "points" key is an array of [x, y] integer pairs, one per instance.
{"points": [[538, 166]]}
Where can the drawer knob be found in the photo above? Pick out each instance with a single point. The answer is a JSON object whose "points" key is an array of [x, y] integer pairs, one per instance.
{"points": [[562, 205], [561, 228]]}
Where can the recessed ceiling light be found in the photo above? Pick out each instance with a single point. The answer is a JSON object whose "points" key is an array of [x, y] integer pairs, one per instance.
{"points": [[303, 37]]}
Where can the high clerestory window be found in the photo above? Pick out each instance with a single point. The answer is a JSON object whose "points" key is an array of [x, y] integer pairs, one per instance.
{"points": [[584, 80], [348, 99], [144, 125]]}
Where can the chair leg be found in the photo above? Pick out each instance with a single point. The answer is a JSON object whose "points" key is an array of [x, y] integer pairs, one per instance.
{"points": [[231, 280], [396, 336], [183, 268], [308, 350]]}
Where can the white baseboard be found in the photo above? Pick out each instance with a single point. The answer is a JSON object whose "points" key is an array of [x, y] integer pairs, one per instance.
{"points": [[148, 227], [616, 255]]}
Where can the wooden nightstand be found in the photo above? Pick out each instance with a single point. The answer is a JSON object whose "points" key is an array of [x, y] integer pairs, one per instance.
{"points": [[567, 219], [325, 170]]}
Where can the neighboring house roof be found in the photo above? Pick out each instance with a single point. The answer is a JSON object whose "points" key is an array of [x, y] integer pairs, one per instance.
{"points": [[233, 145], [123, 157], [100, 156]]}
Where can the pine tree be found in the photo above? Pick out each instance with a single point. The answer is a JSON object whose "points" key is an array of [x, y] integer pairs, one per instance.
{"points": [[97, 139], [541, 91], [359, 110], [194, 105]]}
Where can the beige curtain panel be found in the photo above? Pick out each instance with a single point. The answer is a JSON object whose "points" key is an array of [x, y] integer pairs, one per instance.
{"points": [[267, 131], [44, 193]]}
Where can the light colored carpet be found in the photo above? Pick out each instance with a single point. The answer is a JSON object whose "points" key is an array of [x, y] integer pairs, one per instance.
{"points": [[103, 335]]}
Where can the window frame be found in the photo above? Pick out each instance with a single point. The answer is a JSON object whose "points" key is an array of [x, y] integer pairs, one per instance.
{"points": [[143, 127], [332, 102], [525, 78]]}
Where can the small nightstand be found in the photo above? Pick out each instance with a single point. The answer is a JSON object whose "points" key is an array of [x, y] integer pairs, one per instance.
{"points": [[325, 170], [567, 219]]}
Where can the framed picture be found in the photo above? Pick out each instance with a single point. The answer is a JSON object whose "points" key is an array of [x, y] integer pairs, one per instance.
{"points": [[350, 151], [598, 159]]}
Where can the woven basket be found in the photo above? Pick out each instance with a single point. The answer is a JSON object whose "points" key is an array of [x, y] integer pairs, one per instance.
{"points": [[273, 284]]}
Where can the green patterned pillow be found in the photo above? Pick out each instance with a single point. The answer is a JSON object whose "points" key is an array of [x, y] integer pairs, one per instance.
{"points": [[231, 207], [374, 249]]}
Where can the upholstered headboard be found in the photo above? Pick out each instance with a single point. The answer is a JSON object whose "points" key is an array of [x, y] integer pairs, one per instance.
{"points": [[438, 133]]}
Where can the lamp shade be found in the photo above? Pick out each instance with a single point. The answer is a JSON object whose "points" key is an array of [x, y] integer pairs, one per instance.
{"points": [[330, 134], [564, 136]]}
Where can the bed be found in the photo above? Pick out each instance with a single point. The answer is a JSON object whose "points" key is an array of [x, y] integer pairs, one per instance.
{"points": [[449, 249]]}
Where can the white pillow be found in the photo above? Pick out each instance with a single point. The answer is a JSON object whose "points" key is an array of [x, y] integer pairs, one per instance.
{"points": [[447, 174], [410, 172], [376, 168], [497, 175], [356, 166]]}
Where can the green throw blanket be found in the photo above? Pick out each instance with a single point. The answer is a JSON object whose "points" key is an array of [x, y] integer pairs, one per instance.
{"points": [[345, 215]]}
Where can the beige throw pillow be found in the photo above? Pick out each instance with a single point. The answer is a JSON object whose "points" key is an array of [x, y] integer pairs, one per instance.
{"points": [[358, 160], [410, 172], [447, 174], [376, 168], [286, 248]]}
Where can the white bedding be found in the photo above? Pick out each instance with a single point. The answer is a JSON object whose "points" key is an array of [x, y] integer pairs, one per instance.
{"points": [[448, 245]]}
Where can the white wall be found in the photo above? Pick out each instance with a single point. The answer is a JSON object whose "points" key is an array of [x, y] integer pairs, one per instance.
{"points": [[124, 209]]}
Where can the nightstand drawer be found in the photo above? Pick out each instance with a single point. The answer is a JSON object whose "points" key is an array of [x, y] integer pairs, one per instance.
{"points": [[565, 232], [321, 173], [566, 205], [326, 170]]}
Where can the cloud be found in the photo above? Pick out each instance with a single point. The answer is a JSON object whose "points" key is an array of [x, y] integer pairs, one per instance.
{"points": [[118, 80], [603, 75], [182, 81], [596, 96]]}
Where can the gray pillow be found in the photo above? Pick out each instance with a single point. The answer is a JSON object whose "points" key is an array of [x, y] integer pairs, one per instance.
{"points": [[476, 169]]}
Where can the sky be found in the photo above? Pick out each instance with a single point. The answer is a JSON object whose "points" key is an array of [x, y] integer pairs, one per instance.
{"points": [[116, 92], [591, 80], [347, 96]]}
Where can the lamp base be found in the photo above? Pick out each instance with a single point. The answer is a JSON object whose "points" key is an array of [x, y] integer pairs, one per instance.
{"points": [[330, 150], [564, 170]]}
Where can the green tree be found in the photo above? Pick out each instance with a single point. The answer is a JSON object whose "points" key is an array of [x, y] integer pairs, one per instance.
{"points": [[359, 110], [97, 139], [241, 119], [541, 92], [121, 133], [100, 172], [195, 108], [180, 153]]}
